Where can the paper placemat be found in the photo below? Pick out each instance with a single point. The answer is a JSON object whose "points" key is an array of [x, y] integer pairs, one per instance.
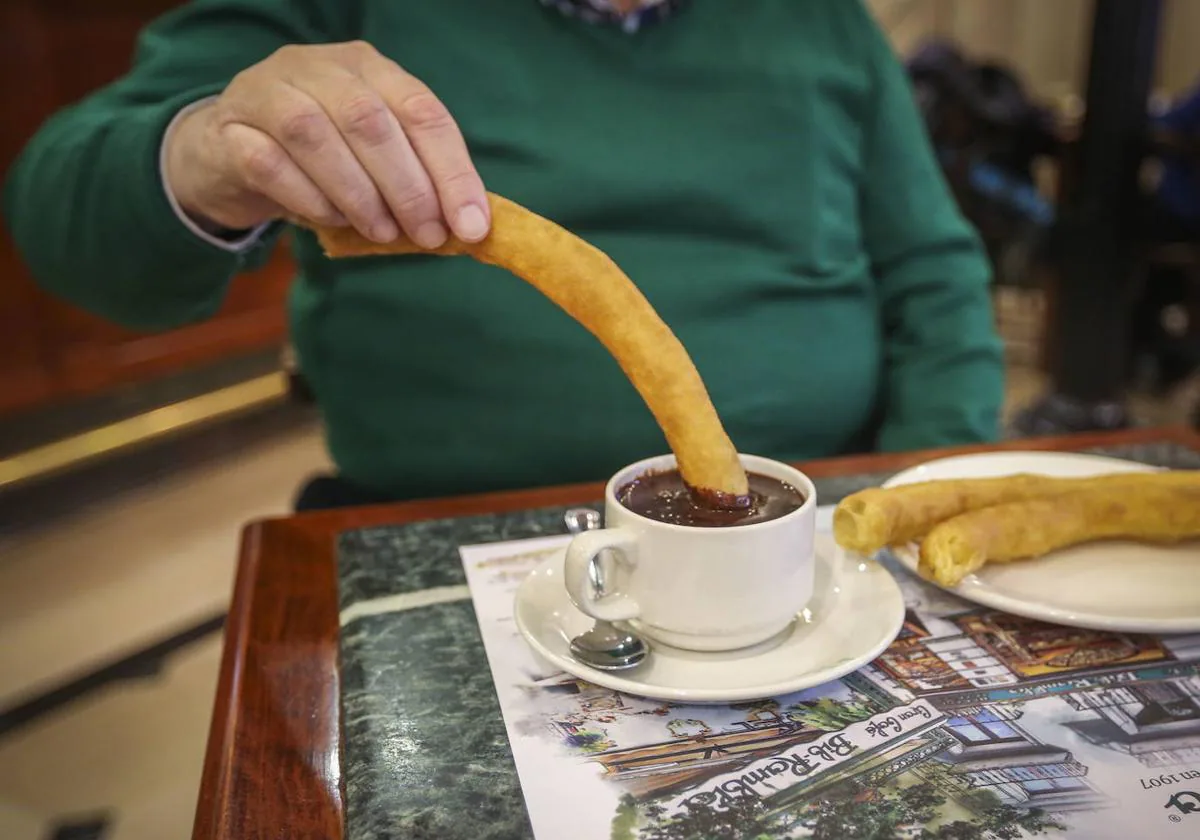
{"points": [[974, 724]]}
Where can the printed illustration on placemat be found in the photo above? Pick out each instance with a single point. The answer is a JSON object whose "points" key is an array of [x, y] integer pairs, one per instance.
{"points": [[973, 724]]}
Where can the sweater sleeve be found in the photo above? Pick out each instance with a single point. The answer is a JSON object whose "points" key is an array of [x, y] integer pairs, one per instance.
{"points": [[85, 201], [944, 365]]}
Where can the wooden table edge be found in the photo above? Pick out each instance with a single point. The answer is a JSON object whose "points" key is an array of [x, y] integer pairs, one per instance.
{"points": [[322, 522], [299, 550]]}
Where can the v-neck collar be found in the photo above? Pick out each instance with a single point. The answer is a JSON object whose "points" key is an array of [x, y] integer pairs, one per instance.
{"points": [[603, 12]]}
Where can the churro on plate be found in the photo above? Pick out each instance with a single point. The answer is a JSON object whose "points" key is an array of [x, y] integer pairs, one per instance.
{"points": [[1163, 511], [880, 517]]}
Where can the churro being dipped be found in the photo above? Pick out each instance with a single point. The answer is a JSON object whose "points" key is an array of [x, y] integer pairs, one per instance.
{"points": [[593, 290]]}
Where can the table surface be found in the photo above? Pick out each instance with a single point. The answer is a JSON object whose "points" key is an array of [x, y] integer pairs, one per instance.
{"points": [[274, 761]]}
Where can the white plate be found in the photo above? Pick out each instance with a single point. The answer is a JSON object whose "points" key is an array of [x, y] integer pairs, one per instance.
{"points": [[1120, 586], [856, 611]]}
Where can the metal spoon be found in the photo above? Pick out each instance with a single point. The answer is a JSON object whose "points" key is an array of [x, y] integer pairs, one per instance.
{"points": [[605, 647]]}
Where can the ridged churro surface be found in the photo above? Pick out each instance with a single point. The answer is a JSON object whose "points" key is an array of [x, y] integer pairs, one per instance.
{"points": [[1164, 511], [593, 290], [878, 517]]}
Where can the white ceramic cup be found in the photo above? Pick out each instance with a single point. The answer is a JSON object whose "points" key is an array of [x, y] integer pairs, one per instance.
{"points": [[697, 588]]}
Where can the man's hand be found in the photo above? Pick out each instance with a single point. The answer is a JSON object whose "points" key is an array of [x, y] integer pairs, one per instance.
{"points": [[335, 134]]}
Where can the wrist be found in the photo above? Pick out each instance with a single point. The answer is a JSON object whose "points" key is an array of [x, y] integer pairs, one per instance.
{"points": [[177, 165], [180, 165]]}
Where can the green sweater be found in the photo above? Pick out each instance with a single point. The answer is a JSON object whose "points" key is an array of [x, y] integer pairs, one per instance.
{"points": [[759, 169]]}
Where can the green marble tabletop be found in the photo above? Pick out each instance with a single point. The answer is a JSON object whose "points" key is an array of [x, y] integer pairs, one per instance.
{"points": [[425, 751]]}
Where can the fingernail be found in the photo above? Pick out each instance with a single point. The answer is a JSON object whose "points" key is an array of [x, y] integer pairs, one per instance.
{"points": [[385, 231], [431, 235], [471, 224]]}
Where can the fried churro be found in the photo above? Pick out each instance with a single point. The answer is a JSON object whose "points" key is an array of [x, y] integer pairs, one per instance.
{"points": [[1161, 512], [593, 290], [879, 517]]}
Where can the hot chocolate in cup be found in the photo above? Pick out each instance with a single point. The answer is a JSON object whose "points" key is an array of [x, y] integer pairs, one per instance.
{"points": [[693, 578]]}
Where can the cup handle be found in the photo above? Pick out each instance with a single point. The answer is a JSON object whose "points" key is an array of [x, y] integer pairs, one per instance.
{"points": [[583, 577]]}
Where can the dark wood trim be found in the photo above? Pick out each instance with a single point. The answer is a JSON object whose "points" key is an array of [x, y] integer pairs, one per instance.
{"points": [[216, 798], [272, 766], [273, 761], [325, 522], [55, 352]]}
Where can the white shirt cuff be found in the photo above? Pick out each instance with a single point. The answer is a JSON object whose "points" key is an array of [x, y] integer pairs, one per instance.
{"points": [[234, 246]]}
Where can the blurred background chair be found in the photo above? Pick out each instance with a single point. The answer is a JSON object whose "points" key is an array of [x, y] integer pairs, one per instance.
{"points": [[1124, 182]]}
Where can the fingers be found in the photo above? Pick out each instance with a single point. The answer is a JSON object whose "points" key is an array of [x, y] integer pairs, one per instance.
{"points": [[307, 134], [269, 170], [377, 140], [342, 131], [436, 140]]}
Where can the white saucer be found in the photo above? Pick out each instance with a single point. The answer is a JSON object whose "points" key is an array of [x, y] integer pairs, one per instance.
{"points": [[856, 611], [1118, 586]]}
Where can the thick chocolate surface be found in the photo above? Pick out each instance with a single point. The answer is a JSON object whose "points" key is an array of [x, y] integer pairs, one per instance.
{"points": [[663, 496]]}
